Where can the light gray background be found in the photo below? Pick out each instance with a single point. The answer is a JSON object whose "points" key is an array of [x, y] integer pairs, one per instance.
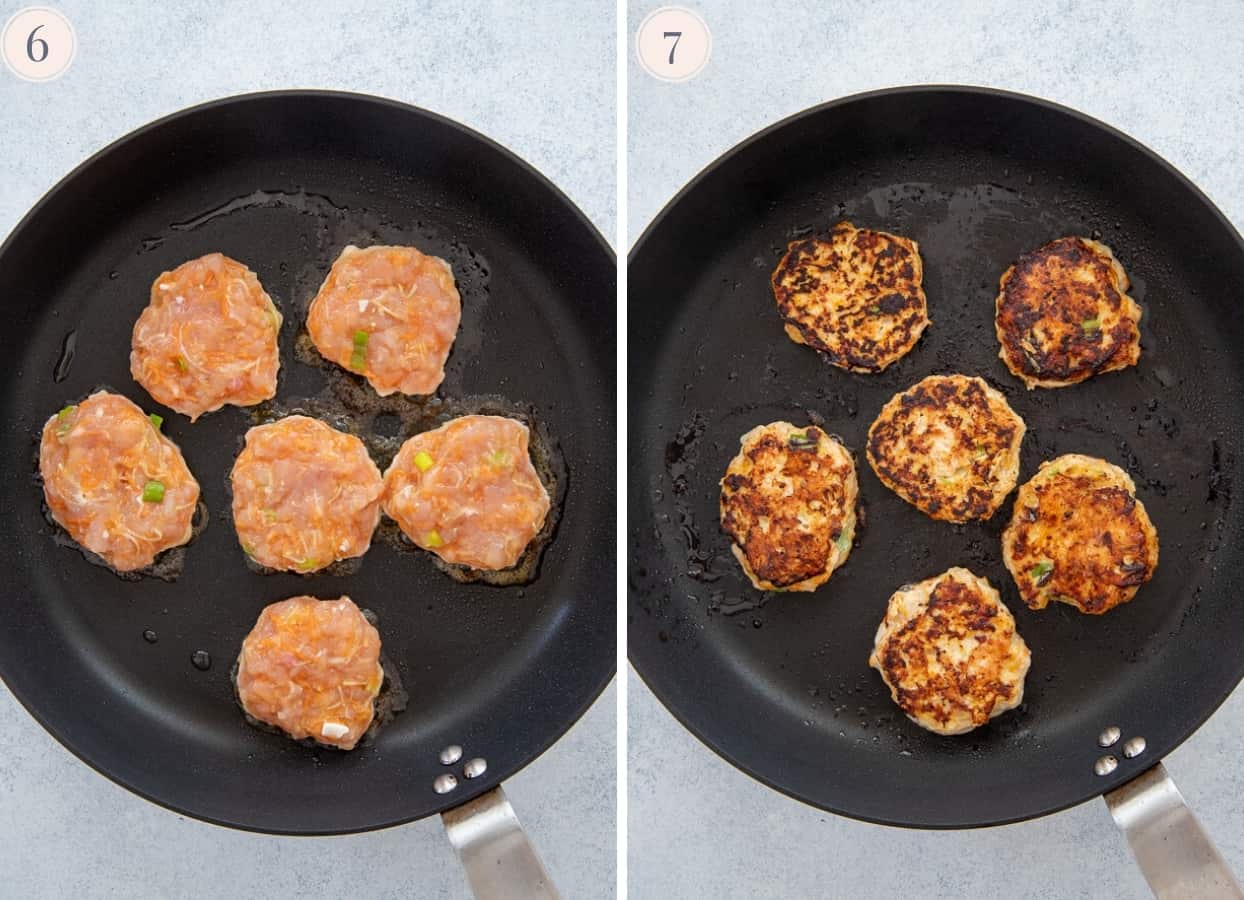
{"points": [[541, 82], [1171, 76]]}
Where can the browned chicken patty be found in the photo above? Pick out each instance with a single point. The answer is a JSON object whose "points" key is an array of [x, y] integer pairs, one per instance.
{"points": [[1063, 314], [950, 654], [949, 446], [1079, 536], [788, 504], [856, 296]]}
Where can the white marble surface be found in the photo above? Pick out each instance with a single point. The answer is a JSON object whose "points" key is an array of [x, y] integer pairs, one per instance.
{"points": [[67, 832], [1171, 76]]}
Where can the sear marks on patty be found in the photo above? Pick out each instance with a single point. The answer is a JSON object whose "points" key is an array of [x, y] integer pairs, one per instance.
{"points": [[1063, 314], [788, 505], [949, 651], [1079, 536], [855, 296], [948, 445]]}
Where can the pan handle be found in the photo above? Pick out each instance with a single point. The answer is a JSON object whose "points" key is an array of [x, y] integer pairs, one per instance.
{"points": [[500, 863], [1175, 854]]}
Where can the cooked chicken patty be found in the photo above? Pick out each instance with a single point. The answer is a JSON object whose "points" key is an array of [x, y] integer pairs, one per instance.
{"points": [[949, 446], [1063, 314], [949, 652], [788, 504], [312, 669], [389, 314], [304, 495], [1079, 536], [207, 338], [856, 296], [468, 491], [114, 482]]}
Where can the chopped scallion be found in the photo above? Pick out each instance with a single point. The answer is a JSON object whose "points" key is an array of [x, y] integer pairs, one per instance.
{"points": [[156, 420], [182, 365], [424, 461], [1091, 326], [432, 539], [843, 542], [306, 565], [1041, 571], [62, 421], [358, 359], [153, 492], [498, 458], [802, 440]]}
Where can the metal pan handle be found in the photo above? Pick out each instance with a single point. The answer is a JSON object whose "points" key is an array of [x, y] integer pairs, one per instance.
{"points": [[500, 863], [1175, 854]]}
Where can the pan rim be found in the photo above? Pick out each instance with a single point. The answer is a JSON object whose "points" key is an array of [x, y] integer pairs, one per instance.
{"points": [[1107, 783], [467, 791]]}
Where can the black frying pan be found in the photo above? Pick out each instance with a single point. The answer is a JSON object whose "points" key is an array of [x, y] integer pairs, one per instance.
{"points": [[502, 672], [779, 685]]}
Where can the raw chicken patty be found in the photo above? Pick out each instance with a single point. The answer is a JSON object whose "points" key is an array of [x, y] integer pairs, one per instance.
{"points": [[207, 338], [390, 314], [115, 483], [468, 492], [304, 495], [312, 669]]}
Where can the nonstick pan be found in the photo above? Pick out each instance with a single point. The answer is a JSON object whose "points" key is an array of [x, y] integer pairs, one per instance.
{"points": [[779, 684], [282, 181]]}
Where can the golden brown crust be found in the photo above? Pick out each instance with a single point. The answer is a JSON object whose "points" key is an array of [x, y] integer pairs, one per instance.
{"points": [[856, 296], [948, 445], [1079, 536], [949, 651], [788, 504], [1063, 314]]}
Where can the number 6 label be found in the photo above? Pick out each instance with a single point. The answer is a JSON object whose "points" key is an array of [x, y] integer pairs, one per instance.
{"points": [[673, 43], [38, 44]]}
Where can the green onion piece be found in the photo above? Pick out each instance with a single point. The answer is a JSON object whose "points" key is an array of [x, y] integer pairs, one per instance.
{"points": [[981, 452], [498, 458], [424, 460], [1091, 325], [156, 420], [306, 565], [843, 542], [358, 359], [182, 365], [153, 492], [874, 309], [62, 421], [1040, 570], [432, 539], [801, 440]]}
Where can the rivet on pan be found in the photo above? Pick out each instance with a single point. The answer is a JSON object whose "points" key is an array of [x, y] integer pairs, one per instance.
{"points": [[1105, 765], [1133, 747], [444, 783], [451, 755], [475, 768], [1109, 737]]}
